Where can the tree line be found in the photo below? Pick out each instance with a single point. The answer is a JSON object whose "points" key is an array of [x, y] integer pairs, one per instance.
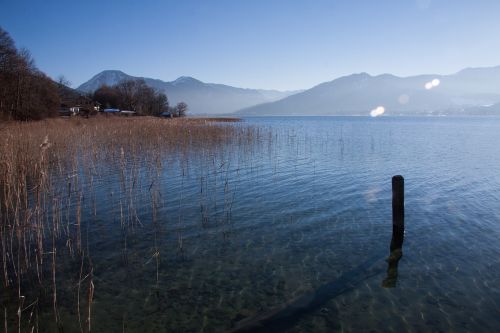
{"points": [[25, 92], [136, 95]]}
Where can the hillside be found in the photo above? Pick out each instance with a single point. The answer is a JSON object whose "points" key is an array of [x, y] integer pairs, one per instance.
{"points": [[358, 94], [201, 97]]}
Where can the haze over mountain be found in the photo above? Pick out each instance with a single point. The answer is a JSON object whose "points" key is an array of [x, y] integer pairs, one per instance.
{"points": [[470, 91], [358, 94], [202, 98]]}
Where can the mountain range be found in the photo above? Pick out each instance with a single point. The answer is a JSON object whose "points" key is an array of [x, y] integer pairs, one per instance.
{"points": [[470, 91], [201, 97]]}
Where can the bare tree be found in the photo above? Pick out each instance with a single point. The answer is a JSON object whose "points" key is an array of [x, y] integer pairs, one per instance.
{"points": [[181, 109], [161, 104], [133, 95], [62, 80], [25, 92]]}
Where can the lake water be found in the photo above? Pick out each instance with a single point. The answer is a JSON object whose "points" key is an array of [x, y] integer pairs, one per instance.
{"points": [[295, 232]]}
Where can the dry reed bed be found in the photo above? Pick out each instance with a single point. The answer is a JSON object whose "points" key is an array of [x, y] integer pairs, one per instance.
{"points": [[43, 167]]}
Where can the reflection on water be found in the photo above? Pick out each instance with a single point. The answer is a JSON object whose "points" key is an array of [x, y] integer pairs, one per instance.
{"points": [[292, 234], [391, 279]]}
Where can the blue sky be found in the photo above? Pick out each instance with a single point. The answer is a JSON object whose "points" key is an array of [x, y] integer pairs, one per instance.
{"points": [[255, 43]]}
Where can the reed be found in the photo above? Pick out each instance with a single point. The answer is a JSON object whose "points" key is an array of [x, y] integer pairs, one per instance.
{"points": [[49, 170]]}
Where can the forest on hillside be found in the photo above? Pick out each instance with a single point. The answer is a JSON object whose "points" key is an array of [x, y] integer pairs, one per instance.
{"points": [[25, 92]]}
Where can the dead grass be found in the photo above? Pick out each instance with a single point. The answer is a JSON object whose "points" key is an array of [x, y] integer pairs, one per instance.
{"points": [[42, 168]]}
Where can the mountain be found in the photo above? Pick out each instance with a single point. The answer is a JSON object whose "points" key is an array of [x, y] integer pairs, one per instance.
{"points": [[358, 94], [201, 97], [108, 78], [485, 110]]}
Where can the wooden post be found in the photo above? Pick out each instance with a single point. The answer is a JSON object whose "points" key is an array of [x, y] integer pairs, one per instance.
{"points": [[398, 212], [398, 231]]}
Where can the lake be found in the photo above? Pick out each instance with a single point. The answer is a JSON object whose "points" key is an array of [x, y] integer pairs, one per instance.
{"points": [[293, 232]]}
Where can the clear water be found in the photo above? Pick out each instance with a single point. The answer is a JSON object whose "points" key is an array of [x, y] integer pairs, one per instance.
{"points": [[303, 221]]}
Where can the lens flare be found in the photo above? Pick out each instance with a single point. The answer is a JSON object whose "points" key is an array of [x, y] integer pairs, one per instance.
{"points": [[431, 84], [378, 111], [403, 99]]}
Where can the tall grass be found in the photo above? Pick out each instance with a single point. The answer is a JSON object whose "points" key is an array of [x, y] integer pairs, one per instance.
{"points": [[47, 170]]}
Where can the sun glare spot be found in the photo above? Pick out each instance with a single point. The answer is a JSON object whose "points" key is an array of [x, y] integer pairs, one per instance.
{"points": [[377, 111], [431, 84], [403, 99]]}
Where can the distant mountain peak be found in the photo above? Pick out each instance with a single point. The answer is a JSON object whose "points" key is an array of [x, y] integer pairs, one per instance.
{"points": [[357, 94], [387, 76], [185, 80], [208, 98], [474, 70], [111, 71], [354, 77], [359, 75], [107, 77]]}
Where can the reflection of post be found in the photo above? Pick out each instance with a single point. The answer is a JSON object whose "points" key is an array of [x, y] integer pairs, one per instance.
{"points": [[398, 231], [392, 273]]}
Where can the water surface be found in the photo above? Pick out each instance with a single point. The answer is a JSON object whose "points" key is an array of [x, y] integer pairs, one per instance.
{"points": [[219, 238]]}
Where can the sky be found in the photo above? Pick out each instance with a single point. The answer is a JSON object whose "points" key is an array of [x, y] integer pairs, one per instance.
{"points": [[285, 45]]}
